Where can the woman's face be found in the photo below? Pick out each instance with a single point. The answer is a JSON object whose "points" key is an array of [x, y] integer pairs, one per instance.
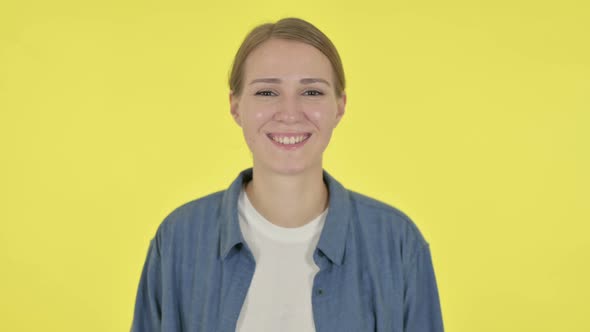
{"points": [[288, 106]]}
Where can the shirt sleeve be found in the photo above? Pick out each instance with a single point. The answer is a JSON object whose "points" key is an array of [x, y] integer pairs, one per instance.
{"points": [[422, 312], [148, 310]]}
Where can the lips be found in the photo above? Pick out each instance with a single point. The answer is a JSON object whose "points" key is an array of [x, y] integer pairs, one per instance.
{"points": [[289, 139]]}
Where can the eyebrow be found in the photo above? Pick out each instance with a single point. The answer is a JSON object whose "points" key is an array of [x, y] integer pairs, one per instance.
{"points": [[302, 81]]}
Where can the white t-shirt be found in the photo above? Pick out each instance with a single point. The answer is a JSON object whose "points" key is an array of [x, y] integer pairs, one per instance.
{"points": [[279, 297]]}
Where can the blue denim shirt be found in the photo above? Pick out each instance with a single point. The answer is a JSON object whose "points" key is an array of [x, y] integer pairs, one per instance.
{"points": [[376, 272]]}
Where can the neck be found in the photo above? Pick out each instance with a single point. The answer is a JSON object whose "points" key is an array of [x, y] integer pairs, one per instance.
{"points": [[288, 200]]}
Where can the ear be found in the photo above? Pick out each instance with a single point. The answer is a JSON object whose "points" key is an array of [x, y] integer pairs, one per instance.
{"points": [[233, 107], [341, 104]]}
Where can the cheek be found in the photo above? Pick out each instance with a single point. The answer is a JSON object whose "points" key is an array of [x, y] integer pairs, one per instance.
{"points": [[260, 115], [322, 116], [254, 120]]}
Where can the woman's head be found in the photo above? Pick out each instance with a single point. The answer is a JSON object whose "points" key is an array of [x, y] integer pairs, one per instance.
{"points": [[287, 96], [289, 29]]}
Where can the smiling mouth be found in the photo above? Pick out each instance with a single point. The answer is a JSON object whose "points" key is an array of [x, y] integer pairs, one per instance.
{"points": [[290, 139]]}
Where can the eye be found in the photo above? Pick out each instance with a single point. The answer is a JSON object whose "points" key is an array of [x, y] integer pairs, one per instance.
{"points": [[313, 93], [265, 93]]}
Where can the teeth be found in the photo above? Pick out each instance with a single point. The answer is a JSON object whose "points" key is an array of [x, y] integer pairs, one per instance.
{"points": [[289, 140]]}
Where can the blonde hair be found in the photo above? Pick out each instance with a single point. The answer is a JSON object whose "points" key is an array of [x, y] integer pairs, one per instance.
{"points": [[290, 29]]}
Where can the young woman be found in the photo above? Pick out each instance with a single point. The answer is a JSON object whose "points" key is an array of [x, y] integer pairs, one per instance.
{"points": [[286, 247]]}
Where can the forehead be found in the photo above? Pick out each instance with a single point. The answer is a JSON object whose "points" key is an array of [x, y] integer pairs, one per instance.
{"points": [[287, 58]]}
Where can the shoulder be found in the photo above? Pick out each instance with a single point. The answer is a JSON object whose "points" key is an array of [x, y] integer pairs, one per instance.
{"points": [[190, 219], [372, 205], [190, 211], [382, 221]]}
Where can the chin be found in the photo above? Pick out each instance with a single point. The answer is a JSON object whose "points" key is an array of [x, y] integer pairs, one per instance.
{"points": [[284, 169], [289, 169]]}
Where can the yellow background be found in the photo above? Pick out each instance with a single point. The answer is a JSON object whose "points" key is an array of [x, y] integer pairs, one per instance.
{"points": [[472, 117]]}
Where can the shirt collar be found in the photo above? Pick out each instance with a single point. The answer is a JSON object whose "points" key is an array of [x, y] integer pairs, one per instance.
{"points": [[332, 239]]}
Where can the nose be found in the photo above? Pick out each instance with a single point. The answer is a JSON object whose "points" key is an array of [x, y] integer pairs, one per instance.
{"points": [[289, 110]]}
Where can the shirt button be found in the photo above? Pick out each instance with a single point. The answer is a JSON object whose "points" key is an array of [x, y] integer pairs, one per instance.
{"points": [[320, 292]]}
